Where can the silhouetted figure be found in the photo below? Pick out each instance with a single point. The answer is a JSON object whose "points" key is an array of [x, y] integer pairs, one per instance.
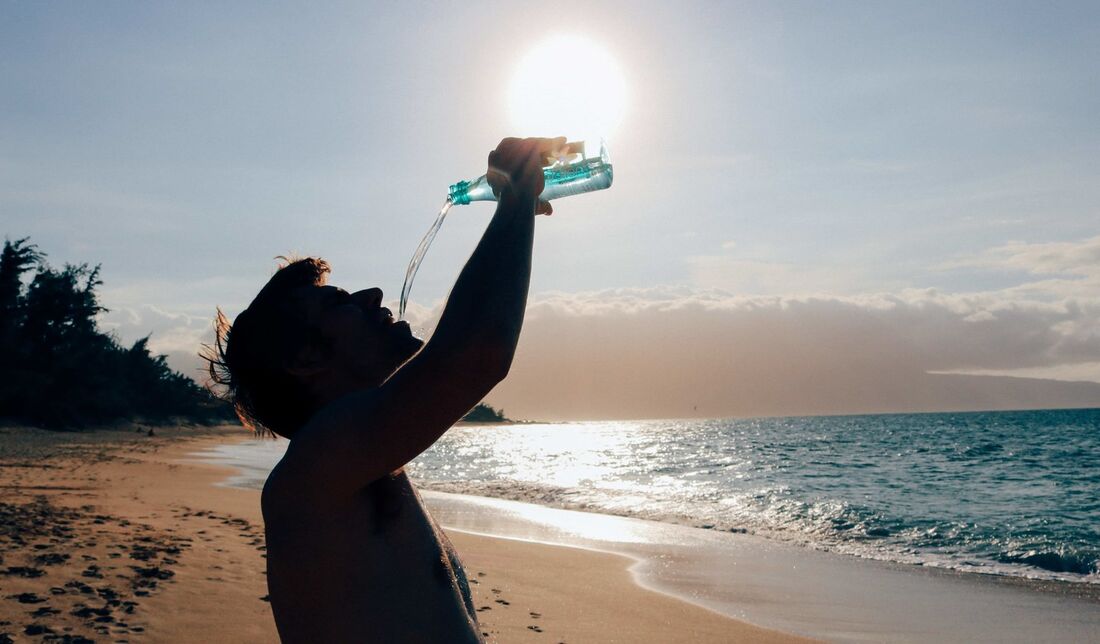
{"points": [[353, 555]]}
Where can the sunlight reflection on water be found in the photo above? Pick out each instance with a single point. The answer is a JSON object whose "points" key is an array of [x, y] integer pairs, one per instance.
{"points": [[559, 454], [933, 489]]}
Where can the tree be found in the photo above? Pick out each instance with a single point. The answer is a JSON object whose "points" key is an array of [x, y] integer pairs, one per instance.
{"points": [[58, 370], [17, 258], [60, 307], [484, 413]]}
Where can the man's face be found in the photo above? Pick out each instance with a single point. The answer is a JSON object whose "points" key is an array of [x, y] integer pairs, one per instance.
{"points": [[363, 341]]}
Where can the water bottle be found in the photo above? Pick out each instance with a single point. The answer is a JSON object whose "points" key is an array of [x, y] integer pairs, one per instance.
{"points": [[571, 174]]}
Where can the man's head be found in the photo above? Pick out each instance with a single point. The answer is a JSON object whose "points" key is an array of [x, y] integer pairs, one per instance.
{"points": [[301, 344]]}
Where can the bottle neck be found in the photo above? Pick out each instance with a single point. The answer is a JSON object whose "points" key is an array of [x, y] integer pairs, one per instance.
{"points": [[459, 194], [464, 192]]}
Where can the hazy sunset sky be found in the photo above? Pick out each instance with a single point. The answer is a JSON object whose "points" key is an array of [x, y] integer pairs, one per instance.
{"points": [[849, 192]]}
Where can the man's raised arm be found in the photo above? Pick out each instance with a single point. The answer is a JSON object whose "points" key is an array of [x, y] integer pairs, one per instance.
{"points": [[369, 434], [481, 322]]}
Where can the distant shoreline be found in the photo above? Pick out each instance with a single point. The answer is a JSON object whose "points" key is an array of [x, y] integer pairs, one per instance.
{"points": [[508, 421]]}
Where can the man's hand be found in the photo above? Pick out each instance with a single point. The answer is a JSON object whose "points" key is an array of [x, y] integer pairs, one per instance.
{"points": [[515, 167]]}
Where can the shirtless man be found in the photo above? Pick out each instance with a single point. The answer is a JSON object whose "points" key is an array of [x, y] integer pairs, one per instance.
{"points": [[353, 555]]}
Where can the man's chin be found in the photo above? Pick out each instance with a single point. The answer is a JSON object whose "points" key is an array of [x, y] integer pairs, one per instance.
{"points": [[409, 340]]}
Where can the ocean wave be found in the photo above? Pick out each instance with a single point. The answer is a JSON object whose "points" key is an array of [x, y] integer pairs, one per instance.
{"points": [[825, 525], [1059, 561]]}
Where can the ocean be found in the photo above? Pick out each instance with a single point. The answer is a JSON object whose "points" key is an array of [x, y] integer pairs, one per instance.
{"points": [[1003, 493]]}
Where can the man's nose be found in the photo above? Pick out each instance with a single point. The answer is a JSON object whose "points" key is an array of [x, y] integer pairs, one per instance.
{"points": [[369, 298]]}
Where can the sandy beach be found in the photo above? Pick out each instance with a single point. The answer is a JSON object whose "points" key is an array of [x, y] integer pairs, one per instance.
{"points": [[118, 535]]}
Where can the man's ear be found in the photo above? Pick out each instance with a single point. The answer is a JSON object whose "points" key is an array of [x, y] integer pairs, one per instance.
{"points": [[310, 362]]}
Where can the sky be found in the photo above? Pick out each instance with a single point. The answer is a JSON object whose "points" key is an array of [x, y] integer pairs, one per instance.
{"points": [[817, 208]]}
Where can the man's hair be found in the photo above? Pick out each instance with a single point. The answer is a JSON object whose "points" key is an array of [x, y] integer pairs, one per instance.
{"points": [[249, 358]]}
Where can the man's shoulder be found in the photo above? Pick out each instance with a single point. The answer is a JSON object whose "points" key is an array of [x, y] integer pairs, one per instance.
{"points": [[272, 493], [287, 486], [330, 459], [295, 485]]}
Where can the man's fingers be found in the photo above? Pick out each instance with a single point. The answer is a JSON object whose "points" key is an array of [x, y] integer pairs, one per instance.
{"points": [[518, 163], [550, 149], [544, 208], [533, 162], [546, 149]]}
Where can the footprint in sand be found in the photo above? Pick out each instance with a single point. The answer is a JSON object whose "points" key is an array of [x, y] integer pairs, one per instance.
{"points": [[51, 559], [535, 628], [45, 611], [24, 571], [92, 572]]}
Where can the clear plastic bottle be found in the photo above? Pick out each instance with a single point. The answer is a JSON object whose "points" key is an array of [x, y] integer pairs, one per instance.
{"points": [[571, 175]]}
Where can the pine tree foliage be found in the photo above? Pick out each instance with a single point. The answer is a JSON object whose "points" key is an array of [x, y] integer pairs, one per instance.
{"points": [[57, 370]]}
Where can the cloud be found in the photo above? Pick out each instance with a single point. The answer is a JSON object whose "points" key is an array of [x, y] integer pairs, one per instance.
{"points": [[691, 351], [680, 352], [1079, 258], [1051, 270], [174, 334], [1083, 371], [921, 327]]}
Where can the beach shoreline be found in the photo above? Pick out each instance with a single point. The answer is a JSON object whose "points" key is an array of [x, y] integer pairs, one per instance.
{"points": [[136, 539], [119, 534], [770, 583]]}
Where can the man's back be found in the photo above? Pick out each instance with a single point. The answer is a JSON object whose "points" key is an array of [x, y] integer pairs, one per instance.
{"points": [[372, 569]]}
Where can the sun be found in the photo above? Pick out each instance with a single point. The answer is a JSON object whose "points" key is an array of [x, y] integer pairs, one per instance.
{"points": [[567, 86]]}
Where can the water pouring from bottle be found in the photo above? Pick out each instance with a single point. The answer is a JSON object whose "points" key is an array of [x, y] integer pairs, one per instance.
{"points": [[572, 173]]}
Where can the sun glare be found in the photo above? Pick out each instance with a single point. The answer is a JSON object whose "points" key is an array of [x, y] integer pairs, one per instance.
{"points": [[569, 86]]}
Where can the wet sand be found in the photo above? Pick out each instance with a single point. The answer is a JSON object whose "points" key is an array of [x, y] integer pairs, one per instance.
{"points": [[835, 597], [117, 535]]}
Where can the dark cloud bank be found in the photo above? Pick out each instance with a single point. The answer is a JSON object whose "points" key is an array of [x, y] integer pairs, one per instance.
{"points": [[660, 353]]}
